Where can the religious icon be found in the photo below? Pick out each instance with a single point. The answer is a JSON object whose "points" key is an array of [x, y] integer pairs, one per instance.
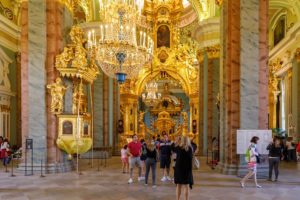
{"points": [[163, 36], [279, 31]]}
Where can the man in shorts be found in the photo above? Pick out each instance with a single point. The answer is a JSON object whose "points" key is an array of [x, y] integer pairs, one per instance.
{"points": [[134, 151], [165, 157]]}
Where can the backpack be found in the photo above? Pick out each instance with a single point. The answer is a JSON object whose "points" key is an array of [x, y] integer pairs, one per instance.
{"points": [[144, 153], [247, 155]]}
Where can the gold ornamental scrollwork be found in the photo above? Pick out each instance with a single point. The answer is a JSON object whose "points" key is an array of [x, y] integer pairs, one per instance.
{"points": [[72, 62]]}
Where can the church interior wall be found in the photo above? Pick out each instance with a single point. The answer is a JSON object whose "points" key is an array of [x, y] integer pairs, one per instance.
{"points": [[14, 133]]}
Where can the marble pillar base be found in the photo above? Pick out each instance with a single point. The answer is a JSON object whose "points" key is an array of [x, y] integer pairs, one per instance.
{"points": [[228, 169], [49, 168]]}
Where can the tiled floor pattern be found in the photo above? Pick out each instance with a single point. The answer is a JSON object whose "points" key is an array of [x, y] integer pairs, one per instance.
{"points": [[110, 184]]}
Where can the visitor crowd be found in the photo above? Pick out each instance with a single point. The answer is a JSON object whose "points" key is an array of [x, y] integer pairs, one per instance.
{"points": [[145, 155]]}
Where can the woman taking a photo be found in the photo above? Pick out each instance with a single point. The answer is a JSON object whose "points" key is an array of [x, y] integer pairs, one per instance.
{"points": [[183, 168]]}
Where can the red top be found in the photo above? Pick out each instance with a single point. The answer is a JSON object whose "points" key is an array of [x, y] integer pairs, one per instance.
{"points": [[298, 147], [135, 148]]}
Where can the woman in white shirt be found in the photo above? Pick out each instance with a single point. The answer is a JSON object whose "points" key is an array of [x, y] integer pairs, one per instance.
{"points": [[252, 162]]}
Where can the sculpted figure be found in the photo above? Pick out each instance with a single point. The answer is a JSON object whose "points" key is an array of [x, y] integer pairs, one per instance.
{"points": [[57, 91]]}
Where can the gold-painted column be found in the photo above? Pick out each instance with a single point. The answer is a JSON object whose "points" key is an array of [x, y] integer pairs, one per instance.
{"points": [[129, 104], [194, 116]]}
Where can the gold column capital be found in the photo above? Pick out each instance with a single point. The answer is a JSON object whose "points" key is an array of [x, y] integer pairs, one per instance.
{"points": [[219, 2], [211, 51], [297, 54]]}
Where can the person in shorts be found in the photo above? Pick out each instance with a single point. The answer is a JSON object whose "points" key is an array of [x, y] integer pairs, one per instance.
{"points": [[134, 151], [165, 157], [124, 158]]}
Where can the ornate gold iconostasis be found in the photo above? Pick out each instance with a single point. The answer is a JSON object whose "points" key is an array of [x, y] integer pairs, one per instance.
{"points": [[174, 65]]}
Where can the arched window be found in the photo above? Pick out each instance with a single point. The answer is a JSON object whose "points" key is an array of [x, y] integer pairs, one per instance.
{"points": [[279, 30]]}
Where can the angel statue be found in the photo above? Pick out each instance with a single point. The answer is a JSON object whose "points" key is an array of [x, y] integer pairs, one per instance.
{"points": [[57, 91]]}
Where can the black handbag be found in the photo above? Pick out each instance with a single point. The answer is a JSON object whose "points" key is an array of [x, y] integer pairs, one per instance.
{"points": [[258, 159]]}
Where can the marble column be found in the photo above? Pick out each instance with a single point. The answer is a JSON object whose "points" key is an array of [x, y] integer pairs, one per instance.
{"points": [[116, 113], [37, 48], [54, 45], [205, 104], [24, 72], [19, 102], [43, 23], [98, 111], [243, 75], [105, 110], [215, 92], [210, 104], [200, 110], [296, 94]]}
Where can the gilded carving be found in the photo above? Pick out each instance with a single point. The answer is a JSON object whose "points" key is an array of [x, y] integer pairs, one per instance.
{"points": [[297, 54], [57, 92], [72, 62], [79, 99], [219, 2]]}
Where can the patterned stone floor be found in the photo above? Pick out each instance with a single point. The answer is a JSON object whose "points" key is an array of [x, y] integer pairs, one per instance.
{"points": [[110, 184]]}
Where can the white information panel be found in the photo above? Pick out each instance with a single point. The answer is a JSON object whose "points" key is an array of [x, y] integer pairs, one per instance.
{"points": [[244, 136]]}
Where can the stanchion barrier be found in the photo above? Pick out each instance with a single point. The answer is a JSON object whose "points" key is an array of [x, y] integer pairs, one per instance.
{"points": [[12, 166], [42, 176], [29, 146]]}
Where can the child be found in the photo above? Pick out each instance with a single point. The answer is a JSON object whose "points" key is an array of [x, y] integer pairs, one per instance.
{"points": [[5, 152], [124, 159]]}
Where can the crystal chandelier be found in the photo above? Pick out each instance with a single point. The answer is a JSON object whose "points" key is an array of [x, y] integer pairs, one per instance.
{"points": [[123, 47], [151, 97]]}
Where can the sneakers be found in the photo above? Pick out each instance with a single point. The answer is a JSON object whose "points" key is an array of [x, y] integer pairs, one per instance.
{"points": [[146, 184], [269, 179], [169, 178], [130, 181], [258, 186], [141, 178], [153, 186], [163, 179], [242, 184]]}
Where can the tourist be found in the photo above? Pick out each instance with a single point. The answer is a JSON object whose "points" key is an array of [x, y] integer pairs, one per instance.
{"points": [[143, 155], [134, 151], [275, 152], [1, 141], [298, 151], [290, 150], [165, 157], [5, 152], [174, 149], [124, 158], [183, 168], [252, 162], [151, 158]]}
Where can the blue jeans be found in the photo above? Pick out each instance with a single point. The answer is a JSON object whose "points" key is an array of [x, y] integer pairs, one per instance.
{"points": [[150, 162], [6, 160]]}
